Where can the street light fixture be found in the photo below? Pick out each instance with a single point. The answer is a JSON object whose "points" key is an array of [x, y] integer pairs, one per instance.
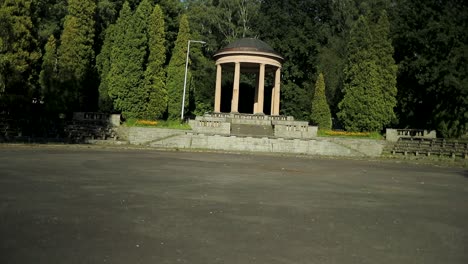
{"points": [[185, 77]]}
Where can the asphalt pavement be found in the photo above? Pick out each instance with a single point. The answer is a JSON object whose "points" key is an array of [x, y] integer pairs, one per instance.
{"points": [[95, 205]]}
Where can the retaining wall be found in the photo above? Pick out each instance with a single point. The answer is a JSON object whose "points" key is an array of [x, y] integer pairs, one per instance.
{"points": [[181, 139]]}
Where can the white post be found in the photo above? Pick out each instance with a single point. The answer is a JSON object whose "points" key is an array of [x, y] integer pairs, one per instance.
{"points": [[185, 77]]}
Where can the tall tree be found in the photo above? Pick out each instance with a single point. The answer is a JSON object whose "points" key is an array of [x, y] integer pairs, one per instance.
{"points": [[320, 114], [18, 50], [291, 28], [386, 66], [48, 78], [176, 70], [48, 16], [363, 107], [116, 80], [431, 43], [76, 53], [103, 65], [155, 75], [334, 33], [127, 60]]}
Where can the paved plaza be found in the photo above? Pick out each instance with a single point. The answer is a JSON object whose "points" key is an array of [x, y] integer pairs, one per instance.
{"points": [[94, 205]]}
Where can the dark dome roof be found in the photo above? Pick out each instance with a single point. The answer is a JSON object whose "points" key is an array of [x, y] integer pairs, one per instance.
{"points": [[252, 44], [248, 45]]}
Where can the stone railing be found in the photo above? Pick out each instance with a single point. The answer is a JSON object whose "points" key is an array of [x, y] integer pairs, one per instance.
{"points": [[394, 134], [249, 116], [112, 119], [281, 126], [210, 125]]}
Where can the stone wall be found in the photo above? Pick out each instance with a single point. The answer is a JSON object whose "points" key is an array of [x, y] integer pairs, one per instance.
{"points": [[294, 129], [212, 125], [327, 147], [223, 124], [180, 139], [146, 135]]}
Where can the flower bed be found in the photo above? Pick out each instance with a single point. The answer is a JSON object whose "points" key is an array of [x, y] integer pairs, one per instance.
{"points": [[340, 133]]}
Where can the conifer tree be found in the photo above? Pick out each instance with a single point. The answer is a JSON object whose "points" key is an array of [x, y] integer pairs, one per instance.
{"points": [[386, 66], [320, 114], [18, 48], [48, 78], [76, 52], [176, 70], [155, 74], [138, 39], [363, 107], [116, 81], [103, 65], [128, 55]]}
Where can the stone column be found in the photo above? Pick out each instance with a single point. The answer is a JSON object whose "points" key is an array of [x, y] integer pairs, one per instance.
{"points": [[261, 89], [217, 107], [272, 107], [256, 94], [235, 89], [277, 91]]}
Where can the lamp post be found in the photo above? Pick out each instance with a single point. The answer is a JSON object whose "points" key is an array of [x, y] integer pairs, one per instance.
{"points": [[185, 77]]}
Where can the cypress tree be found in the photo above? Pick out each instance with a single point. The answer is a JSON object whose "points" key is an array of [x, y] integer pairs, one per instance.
{"points": [[363, 107], [127, 61], [18, 48], [103, 65], [176, 70], [155, 74], [386, 66], [320, 114], [48, 78], [138, 37], [76, 52], [116, 80]]}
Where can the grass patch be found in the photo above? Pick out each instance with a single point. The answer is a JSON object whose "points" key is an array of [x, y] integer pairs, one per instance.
{"points": [[345, 134], [172, 124]]}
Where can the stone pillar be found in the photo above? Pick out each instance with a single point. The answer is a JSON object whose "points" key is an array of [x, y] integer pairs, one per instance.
{"points": [[256, 94], [235, 89], [272, 107], [217, 107], [277, 91], [261, 88]]}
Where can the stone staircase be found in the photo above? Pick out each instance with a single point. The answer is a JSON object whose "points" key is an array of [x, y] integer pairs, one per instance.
{"points": [[427, 147]]}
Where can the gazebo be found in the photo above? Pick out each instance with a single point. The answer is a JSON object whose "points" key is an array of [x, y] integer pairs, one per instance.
{"points": [[249, 55]]}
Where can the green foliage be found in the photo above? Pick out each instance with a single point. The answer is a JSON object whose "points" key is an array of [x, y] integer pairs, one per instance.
{"points": [[368, 99], [429, 39], [48, 16], [176, 70], [171, 124], [127, 60], [320, 114], [289, 27], [18, 48], [116, 80], [155, 75], [386, 66], [48, 78], [344, 134], [76, 52], [103, 65], [431, 43], [334, 34]]}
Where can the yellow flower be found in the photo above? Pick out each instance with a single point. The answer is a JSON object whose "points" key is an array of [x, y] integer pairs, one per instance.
{"points": [[146, 122]]}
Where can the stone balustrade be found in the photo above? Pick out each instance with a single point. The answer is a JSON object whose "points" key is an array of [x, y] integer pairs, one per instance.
{"points": [[394, 134]]}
